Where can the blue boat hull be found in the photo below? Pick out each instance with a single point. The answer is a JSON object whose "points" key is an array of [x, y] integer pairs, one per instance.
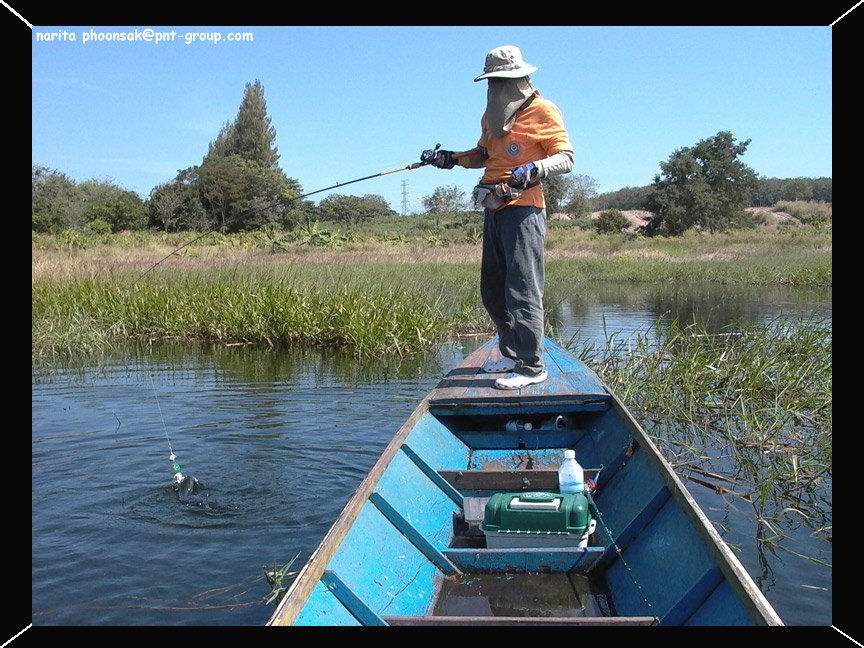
{"points": [[406, 551]]}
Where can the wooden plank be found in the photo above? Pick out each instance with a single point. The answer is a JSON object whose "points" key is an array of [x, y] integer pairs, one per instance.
{"points": [[350, 600], [506, 480], [519, 621], [454, 384], [414, 537], [436, 477]]}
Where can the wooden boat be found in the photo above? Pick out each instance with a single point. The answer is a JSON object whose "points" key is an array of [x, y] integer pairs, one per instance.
{"points": [[406, 549]]}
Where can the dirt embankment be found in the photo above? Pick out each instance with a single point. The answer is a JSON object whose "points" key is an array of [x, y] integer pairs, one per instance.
{"points": [[766, 218]]}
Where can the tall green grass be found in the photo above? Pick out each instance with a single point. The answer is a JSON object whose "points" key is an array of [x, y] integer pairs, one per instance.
{"points": [[371, 313], [371, 297], [745, 412]]}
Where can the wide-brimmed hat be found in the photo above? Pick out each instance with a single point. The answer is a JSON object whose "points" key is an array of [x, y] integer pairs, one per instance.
{"points": [[506, 63]]}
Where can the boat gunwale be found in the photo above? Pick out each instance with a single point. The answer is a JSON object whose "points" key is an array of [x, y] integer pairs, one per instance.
{"points": [[734, 572]]}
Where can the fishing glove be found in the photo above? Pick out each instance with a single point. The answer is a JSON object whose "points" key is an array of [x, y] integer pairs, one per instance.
{"points": [[440, 159], [523, 175], [444, 160]]}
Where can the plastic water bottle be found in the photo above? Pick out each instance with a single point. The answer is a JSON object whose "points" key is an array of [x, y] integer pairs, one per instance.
{"points": [[571, 478], [518, 426]]}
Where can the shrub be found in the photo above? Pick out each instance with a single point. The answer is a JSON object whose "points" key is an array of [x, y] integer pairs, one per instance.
{"points": [[609, 221]]}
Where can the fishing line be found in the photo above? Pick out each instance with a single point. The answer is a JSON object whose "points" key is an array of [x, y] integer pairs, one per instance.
{"points": [[184, 485], [161, 417]]}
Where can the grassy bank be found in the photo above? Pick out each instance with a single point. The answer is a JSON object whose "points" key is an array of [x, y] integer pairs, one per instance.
{"points": [[368, 312], [369, 296]]}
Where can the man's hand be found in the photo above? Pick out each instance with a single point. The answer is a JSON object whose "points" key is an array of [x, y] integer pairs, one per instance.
{"points": [[443, 160], [523, 175]]}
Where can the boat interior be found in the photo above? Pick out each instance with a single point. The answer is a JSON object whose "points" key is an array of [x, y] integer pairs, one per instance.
{"points": [[410, 548]]}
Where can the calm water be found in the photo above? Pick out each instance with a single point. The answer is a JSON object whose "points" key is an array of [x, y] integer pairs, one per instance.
{"points": [[279, 440]]}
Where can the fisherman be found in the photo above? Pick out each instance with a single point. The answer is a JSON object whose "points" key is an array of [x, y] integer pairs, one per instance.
{"points": [[523, 140]]}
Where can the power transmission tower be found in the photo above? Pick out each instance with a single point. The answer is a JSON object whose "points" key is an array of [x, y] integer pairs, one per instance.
{"points": [[404, 197]]}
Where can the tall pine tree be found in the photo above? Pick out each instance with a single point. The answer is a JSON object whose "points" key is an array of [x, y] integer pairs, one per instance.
{"points": [[251, 135], [241, 169]]}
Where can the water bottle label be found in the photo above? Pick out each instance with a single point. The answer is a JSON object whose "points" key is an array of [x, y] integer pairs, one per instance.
{"points": [[569, 486]]}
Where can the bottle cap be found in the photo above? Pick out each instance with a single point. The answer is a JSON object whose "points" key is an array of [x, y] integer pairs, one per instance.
{"points": [[569, 454]]}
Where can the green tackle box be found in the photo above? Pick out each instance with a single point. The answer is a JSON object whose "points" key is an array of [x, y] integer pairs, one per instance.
{"points": [[537, 519]]}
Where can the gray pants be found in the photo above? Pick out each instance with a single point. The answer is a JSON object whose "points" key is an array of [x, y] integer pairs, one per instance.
{"points": [[512, 279]]}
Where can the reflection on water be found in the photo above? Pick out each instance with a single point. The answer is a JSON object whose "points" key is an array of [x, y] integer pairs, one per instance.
{"points": [[279, 440], [626, 310]]}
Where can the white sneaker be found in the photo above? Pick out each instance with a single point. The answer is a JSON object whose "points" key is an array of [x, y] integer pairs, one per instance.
{"points": [[498, 366], [518, 381]]}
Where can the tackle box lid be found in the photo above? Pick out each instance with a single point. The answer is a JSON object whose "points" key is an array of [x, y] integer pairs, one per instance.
{"points": [[536, 512]]}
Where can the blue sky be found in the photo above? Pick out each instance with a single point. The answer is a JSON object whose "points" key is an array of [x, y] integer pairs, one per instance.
{"points": [[347, 102]]}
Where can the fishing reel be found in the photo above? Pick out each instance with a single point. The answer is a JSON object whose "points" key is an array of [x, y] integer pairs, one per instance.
{"points": [[429, 155]]}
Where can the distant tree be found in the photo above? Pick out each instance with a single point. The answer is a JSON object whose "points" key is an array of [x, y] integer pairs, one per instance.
{"points": [[769, 191], [610, 221], [267, 194], [445, 200], [352, 210], [822, 190], [240, 173], [623, 199], [571, 194], [220, 183], [58, 203], [766, 192], [581, 190], [105, 201], [251, 134], [299, 213], [53, 193], [704, 185], [164, 206], [555, 192], [798, 189]]}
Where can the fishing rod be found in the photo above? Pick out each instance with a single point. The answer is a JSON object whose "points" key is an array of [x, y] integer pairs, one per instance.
{"points": [[426, 158]]}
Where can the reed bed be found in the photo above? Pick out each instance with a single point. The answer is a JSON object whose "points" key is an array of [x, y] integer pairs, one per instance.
{"points": [[373, 297], [368, 311], [746, 412]]}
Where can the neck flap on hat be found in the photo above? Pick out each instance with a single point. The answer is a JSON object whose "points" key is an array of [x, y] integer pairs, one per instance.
{"points": [[503, 98]]}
